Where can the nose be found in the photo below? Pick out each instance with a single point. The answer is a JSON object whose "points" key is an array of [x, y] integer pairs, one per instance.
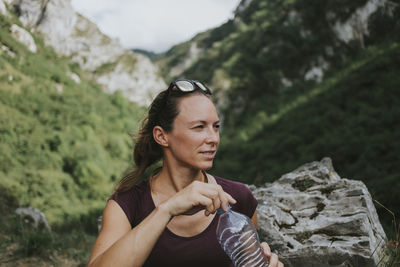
{"points": [[212, 136]]}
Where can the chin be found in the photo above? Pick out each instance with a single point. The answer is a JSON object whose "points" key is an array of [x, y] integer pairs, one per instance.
{"points": [[202, 165], [206, 166]]}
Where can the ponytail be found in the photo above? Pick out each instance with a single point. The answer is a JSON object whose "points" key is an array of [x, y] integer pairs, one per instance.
{"points": [[145, 153], [162, 112]]}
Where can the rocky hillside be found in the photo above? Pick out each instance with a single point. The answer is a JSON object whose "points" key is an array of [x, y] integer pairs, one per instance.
{"points": [[74, 36], [297, 80], [63, 141], [270, 36]]}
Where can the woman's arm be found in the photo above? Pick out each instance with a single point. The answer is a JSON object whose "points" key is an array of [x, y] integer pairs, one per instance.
{"points": [[119, 245]]}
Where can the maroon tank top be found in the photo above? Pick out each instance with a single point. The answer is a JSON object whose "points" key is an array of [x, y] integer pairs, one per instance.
{"points": [[173, 250]]}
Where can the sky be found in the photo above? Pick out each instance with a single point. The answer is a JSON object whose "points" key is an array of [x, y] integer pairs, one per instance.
{"points": [[155, 25]]}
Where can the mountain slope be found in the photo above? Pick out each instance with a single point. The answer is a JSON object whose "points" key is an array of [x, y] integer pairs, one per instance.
{"points": [[74, 36], [63, 141], [297, 80], [352, 117], [286, 43]]}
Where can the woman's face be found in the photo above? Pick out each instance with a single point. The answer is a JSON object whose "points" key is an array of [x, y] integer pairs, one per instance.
{"points": [[194, 138]]}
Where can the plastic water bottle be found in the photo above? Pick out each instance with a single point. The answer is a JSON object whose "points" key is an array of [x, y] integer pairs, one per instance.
{"points": [[239, 239]]}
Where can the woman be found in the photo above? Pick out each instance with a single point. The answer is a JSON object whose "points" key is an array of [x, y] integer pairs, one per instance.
{"points": [[169, 219]]}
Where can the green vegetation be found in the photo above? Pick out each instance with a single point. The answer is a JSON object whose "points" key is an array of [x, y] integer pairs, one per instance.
{"points": [[275, 120], [179, 52], [350, 118], [22, 245], [149, 54], [391, 250], [63, 145]]}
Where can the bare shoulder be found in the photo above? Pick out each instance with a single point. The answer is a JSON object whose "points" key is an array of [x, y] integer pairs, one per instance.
{"points": [[114, 217], [115, 225]]}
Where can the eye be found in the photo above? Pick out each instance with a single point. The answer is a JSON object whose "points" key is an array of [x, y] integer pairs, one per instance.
{"points": [[199, 126], [216, 126]]}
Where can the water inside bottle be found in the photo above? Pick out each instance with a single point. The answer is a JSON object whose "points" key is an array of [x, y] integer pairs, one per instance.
{"points": [[238, 238]]}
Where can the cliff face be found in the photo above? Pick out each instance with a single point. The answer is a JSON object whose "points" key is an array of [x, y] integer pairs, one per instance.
{"points": [[74, 36]]}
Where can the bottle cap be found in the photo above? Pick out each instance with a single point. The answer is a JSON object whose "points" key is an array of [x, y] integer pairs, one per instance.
{"points": [[221, 211]]}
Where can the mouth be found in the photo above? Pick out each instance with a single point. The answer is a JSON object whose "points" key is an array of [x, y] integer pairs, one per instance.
{"points": [[209, 153]]}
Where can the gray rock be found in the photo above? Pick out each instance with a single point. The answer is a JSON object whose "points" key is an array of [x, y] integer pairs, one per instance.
{"points": [[24, 37], [313, 217], [4, 48], [356, 27], [3, 9], [34, 217], [72, 35], [75, 77], [192, 54]]}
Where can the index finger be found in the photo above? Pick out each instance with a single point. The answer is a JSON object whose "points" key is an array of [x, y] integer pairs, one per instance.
{"points": [[224, 198]]}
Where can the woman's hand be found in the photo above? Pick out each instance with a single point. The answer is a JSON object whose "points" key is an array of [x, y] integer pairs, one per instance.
{"points": [[198, 196], [272, 257]]}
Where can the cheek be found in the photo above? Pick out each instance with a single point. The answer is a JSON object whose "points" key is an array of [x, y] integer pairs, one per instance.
{"points": [[188, 140]]}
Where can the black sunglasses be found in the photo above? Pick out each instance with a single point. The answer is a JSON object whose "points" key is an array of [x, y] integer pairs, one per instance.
{"points": [[186, 86]]}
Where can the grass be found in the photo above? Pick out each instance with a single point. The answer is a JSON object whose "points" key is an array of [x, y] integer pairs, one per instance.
{"points": [[20, 243], [262, 119], [391, 250]]}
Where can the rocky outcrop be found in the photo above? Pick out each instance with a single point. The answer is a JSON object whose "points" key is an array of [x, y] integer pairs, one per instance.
{"points": [[192, 54], [75, 77], [312, 217], [24, 37], [3, 10], [356, 27], [7, 50], [34, 217], [73, 35]]}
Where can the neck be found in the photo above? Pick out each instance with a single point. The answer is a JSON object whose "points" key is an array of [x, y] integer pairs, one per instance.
{"points": [[172, 180]]}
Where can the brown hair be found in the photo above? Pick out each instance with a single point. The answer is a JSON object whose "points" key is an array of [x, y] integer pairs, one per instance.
{"points": [[162, 112]]}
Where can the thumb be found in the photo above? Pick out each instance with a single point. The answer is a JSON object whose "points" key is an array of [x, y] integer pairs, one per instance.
{"points": [[266, 249]]}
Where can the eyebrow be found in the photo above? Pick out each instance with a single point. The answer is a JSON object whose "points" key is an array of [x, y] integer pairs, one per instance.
{"points": [[202, 121]]}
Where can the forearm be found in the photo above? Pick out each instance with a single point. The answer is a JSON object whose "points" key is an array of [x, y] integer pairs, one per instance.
{"points": [[134, 247]]}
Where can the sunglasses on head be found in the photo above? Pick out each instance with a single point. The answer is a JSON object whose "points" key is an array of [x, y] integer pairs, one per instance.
{"points": [[187, 86]]}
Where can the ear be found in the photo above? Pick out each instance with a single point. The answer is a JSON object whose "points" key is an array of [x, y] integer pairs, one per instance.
{"points": [[160, 136]]}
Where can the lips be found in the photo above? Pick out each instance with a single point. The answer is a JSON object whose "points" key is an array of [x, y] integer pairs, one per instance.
{"points": [[208, 154]]}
